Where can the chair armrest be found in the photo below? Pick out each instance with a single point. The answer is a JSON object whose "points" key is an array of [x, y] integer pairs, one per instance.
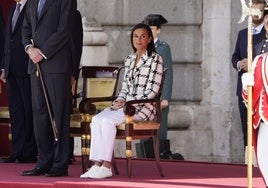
{"points": [[129, 109], [87, 106]]}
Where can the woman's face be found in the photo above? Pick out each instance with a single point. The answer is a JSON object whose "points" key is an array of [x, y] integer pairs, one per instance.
{"points": [[141, 39]]}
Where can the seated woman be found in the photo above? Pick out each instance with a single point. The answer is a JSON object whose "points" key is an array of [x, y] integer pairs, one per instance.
{"points": [[142, 79]]}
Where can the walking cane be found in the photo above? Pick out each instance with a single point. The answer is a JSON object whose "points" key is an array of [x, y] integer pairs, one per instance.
{"points": [[52, 120], [249, 11]]}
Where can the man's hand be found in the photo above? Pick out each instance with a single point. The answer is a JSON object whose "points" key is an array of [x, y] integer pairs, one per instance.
{"points": [[2, 76], [72, 80], [35, 54], [243, 64]]}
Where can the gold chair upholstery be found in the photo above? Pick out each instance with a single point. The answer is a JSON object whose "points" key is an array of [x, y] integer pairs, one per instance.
{"points": [[4, 115]]}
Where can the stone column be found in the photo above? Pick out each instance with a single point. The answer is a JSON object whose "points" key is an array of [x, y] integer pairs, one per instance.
{"points": [[95, 51]]}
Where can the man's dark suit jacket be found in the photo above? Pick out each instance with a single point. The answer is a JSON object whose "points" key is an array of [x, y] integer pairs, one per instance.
{"points": [[50, 33], [76, 43], [15, 59], [241, 52]]}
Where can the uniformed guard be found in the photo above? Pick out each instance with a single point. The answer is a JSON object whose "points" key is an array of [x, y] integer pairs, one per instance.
{"points": [[155, 21]]}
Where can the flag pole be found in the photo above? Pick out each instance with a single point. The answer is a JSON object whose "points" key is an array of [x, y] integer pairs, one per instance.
{"points": [[249, 103], [249, 11]]}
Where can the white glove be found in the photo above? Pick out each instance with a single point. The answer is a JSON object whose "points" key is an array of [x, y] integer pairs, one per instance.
{"points": [[247, 80]]}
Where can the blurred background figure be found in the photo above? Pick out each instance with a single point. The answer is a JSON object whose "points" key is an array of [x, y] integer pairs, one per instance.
{"points": [[14, 73], [239, 58]]}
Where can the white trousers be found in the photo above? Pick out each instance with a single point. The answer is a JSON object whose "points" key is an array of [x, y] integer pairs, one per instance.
{"points": [[262, 151], [103, 132]]}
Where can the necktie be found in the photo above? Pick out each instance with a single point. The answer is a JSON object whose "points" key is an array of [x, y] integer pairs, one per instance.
{"points": [[40, 7], [15, 16], [254, 31]]}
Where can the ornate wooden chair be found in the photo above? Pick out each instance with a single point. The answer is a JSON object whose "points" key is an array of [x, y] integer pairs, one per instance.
{"points": [[98, 81], [131, 130]]}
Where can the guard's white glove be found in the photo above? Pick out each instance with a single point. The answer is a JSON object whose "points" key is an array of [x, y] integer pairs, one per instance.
{"points": [[247, 80]]}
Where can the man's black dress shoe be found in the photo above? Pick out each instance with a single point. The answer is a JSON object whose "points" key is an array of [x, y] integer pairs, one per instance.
{"points": [[57, 173], [10, 159], [34, 172]]}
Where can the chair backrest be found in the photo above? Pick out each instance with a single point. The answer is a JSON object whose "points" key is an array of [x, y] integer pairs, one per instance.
{"points": [[89, 104], [159, 95], [99, 81], [120, 78]]}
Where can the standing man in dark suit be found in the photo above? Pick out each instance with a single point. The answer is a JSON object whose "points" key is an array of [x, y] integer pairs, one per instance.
{"points": [[77, 47], [14, 73], [239, 58], [46, 34]]}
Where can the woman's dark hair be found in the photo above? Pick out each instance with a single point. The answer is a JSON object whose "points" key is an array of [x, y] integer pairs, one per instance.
{"points": [[150, 47]]}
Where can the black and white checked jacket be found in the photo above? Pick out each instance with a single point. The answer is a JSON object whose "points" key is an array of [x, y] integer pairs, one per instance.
{"points": [[142, 81]]}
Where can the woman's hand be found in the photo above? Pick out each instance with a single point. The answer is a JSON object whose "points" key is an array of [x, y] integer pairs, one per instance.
{"points": [[164, 104], [118, 103]]}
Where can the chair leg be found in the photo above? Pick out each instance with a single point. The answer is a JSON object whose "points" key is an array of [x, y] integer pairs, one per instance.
{"points": [[157, 155], [85, 145], [84, 153], [88, 163], [129, 155], [114, 165], [10, 137]]}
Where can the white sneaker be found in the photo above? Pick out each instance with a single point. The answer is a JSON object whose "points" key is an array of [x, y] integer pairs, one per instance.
{"points": [[102, 172], [93, 170]]}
